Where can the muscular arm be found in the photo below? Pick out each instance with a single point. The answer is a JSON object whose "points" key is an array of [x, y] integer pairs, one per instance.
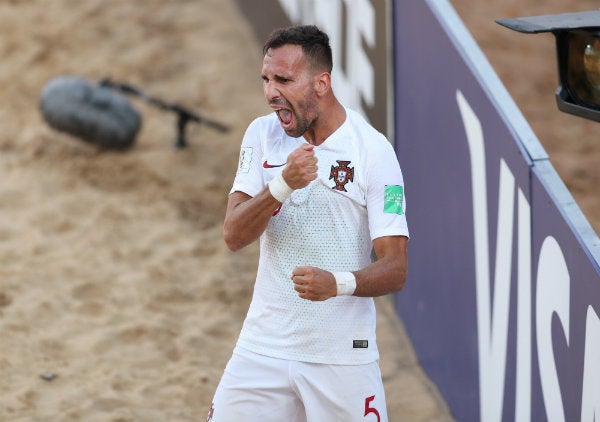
{"points": [[384, 276], [247, 217], [388, 273]]}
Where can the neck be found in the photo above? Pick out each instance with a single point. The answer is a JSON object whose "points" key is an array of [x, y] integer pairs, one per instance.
{"points": [[326, 123]]}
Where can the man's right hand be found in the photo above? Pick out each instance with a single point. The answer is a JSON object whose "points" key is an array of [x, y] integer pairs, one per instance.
{"points": [[301, 168]]}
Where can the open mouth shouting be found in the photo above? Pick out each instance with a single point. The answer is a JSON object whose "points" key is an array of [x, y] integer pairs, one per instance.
{"points": [[293, 124], [286, 118]]}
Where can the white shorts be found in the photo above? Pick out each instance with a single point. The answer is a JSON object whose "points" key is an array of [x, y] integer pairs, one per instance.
{"points": [[256, 388]]}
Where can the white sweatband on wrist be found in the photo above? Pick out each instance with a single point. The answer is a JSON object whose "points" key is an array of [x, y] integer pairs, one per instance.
{"points": [[279, 188], [346, 283]]}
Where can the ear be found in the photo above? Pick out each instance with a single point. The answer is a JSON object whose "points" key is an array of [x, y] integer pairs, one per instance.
{"points": [[322, 83]]}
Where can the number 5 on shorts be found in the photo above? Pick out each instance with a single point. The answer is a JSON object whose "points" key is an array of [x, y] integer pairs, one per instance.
{"points": [[369, 409]]}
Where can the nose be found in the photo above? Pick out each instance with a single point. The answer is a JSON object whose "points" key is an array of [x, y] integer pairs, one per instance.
{"points": [[270, 91]]}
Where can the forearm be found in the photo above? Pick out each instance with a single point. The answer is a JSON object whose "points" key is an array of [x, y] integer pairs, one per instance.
{"points": [[380, 278], [388, 273], [384, 276], [247, 218]]}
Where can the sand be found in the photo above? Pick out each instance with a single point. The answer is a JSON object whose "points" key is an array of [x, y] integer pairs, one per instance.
{"points": [[118, 298]]}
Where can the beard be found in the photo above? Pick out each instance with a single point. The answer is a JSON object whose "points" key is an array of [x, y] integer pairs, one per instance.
{"points": [[301, 126], [302, 117]]}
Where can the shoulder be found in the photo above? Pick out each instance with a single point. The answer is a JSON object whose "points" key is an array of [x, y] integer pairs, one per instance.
{"points": [[360, 125], [368, 138], [267, 125], [262, 130]]}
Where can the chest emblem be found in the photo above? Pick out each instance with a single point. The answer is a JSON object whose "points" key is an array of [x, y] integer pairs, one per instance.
{"points": [[341, 175]]}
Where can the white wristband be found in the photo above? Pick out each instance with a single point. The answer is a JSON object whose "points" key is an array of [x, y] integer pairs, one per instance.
{"points": [[279, 188], [346, 283]]}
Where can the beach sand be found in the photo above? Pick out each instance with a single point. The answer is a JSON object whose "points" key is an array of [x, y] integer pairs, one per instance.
{"points": [[118, 298]]}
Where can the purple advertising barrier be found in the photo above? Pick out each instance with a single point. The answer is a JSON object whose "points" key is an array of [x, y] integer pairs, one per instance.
{"points": [[503, 295]]}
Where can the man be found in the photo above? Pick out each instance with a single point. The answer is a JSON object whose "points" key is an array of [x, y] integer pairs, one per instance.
{"points": [[321, 189]]}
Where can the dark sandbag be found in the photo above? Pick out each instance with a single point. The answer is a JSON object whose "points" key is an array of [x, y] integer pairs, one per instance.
{"points": [[89, 111]]}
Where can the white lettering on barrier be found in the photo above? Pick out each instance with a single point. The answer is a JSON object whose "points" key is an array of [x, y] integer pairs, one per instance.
{"points": [[492, 328], [553, 287], [523, 377], [293, 8], [553, 297], [590, 399], [360, 72]]}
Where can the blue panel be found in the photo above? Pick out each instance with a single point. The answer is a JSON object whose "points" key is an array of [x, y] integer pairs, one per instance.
{"points": [[436, 63], [549, 222]]}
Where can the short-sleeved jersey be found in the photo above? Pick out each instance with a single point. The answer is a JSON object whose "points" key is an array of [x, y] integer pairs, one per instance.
{"points": [[330, 224]]}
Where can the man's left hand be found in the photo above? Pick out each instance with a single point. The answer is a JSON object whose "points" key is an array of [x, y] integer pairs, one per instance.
{"points": [[313, 283]]}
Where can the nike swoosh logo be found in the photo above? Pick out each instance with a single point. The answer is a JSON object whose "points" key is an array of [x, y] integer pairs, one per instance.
{"points": [[270, 166]]}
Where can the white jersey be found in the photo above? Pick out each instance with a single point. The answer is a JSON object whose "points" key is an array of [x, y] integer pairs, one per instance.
{"points": [[330, 224]]}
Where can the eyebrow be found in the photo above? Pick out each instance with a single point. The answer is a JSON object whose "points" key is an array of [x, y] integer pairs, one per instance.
{"points": [[277, 77]]}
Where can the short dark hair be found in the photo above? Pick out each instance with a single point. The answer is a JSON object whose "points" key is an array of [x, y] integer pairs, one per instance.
{"points": [[314, 43]]}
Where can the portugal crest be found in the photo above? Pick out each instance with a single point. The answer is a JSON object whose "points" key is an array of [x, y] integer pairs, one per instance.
{"points": [[341, 175]]}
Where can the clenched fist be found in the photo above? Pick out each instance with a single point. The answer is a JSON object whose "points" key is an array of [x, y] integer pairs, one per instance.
{"points": [[301, 168], [313, 283]]}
